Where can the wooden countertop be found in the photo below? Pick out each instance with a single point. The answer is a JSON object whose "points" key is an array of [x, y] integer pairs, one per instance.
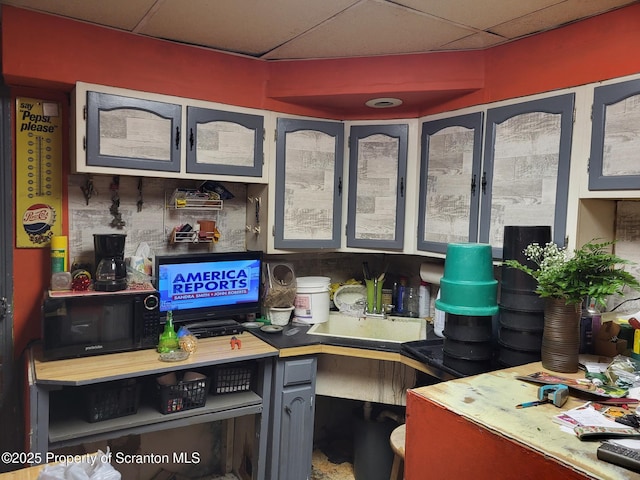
{"points": [[115, 366], [30, 473], [365, 353], [489, 400]]}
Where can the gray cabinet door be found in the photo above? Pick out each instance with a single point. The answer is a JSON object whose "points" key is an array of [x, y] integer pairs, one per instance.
{"points": [[377, 178], [224, 143], [296, 434], [450, 182], [308, 198], [615, 137], [526, 163], [126, 132]]}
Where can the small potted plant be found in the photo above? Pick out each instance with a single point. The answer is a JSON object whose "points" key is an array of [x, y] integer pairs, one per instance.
{"points": [[565, 280]]}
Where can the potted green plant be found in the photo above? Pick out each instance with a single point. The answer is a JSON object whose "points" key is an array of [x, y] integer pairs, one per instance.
{"points": [[565, 281], [590, 272]]}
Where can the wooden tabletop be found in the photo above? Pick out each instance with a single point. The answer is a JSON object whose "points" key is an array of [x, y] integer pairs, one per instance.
{"points": [[30, 473], [489, 400], [115, 366]]}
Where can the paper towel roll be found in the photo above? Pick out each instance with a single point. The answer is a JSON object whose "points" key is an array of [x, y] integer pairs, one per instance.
{"points": [[431, 272]]}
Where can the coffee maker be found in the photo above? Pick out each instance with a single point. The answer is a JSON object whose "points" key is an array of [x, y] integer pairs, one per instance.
{"points": [[111, 271]]}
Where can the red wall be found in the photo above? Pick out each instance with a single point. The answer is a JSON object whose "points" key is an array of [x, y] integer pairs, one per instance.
{"points": [[441, 444], [49, 54]]}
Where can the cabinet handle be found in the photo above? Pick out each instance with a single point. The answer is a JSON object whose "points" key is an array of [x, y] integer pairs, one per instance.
{"points": [[402, 186], [473, 185], [484, 183], [287, 409], [177, 138], [340, 186], [191, 139]]}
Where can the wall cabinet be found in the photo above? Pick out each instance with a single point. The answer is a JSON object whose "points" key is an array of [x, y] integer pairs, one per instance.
{"points": [[615, 142], [293, 419], [527, 158], [224, 143], [311, 195], [125, 132], [132, 133], [523, 179], [308, 184], [377, 186], [450, 179]]}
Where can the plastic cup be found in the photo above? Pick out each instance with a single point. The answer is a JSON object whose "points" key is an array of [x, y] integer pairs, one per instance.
{"points": [[374, 296]]}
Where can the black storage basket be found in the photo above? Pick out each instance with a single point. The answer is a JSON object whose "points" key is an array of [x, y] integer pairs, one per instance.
{"points": [[112, 400], [233, 378], [183, 396]]}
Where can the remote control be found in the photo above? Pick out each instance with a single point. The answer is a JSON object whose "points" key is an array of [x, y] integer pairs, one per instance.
{"points": [[619, 455]]}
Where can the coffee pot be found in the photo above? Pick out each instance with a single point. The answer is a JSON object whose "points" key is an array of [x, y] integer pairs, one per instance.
{"points": [[111, 271]]}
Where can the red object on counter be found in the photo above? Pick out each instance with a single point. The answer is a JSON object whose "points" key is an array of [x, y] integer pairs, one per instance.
{"points": [[235, 343]]}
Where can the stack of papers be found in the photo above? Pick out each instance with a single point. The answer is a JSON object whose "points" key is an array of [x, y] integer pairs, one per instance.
{"points": [[593, 420]]}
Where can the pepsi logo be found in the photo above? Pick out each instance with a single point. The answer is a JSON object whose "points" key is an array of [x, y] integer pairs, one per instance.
{"points": [[38, 219]]}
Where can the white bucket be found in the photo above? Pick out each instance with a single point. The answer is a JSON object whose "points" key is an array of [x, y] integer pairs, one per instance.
{"points": [[312, 299]]}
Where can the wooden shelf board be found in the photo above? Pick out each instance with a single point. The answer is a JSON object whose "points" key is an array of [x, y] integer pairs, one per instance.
{"points": [[148, 418]]}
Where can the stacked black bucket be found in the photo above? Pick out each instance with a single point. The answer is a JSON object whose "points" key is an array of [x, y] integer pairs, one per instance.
{"points": [[521, 310]]}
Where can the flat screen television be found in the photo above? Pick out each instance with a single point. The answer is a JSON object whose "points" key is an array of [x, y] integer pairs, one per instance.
{"points": [[209, 286]]}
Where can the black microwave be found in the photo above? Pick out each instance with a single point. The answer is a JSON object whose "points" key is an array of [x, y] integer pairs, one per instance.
{"points": [[78, 324]]}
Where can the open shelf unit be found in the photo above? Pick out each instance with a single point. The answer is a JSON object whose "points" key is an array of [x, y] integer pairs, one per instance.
{"points": [[56, 397], [74, 430]]}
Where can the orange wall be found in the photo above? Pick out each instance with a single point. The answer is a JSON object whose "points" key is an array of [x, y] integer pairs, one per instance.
{"points": [[49, 54]]}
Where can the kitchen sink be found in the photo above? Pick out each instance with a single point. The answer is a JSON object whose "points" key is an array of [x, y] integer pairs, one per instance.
{"points": [[390, 329]]}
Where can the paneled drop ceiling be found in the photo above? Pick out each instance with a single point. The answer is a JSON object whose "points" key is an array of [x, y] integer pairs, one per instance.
{"points": [[304, 29]]}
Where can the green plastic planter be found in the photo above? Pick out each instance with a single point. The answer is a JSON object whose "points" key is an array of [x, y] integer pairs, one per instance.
{"points": [[468, 286]]}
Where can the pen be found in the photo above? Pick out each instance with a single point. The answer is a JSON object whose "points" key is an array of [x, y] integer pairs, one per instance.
{"points": [[531, 404]]}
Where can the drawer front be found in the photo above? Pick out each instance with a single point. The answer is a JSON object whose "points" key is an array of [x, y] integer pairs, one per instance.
{"points": [[299, 371]]}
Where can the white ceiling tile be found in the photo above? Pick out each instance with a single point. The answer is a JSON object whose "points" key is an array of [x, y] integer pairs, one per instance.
{"points": [[239, 25], [120, 14], [559, 14], [476, 41], [372, 28], [480, 14]]}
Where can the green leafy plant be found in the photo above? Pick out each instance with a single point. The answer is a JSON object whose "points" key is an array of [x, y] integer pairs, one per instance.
{"points": [[590, 272]]}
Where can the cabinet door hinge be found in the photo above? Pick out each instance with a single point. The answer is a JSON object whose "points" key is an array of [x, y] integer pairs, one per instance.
{"points": [[4, 307], [84, 112], [273, 230], [264, 134], [84, 143], [275, 135]]}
